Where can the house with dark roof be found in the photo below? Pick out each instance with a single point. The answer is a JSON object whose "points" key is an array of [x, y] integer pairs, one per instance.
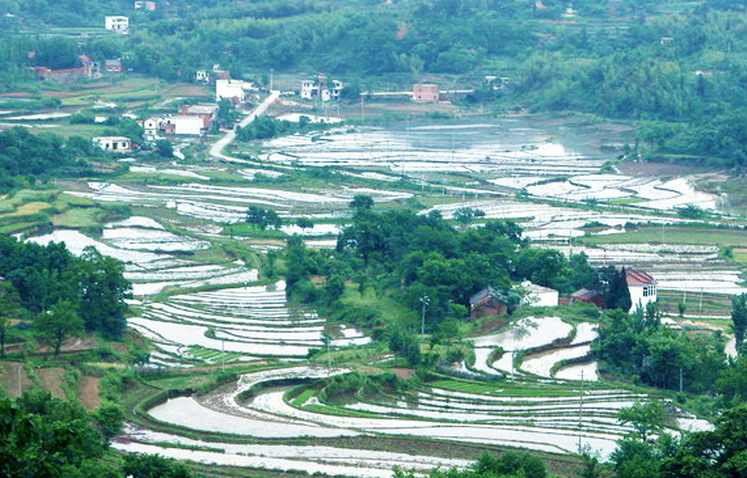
{"points": [[487, 302], [588, 297]]}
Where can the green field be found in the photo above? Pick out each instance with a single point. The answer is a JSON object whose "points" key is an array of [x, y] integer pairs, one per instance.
{"points": [[674, 235]]}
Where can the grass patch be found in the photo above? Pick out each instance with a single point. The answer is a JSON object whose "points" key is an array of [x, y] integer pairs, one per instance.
{"points": [[674, 235], [78, 217]]}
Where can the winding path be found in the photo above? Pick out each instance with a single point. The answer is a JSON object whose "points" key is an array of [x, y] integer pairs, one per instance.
{"points": [[216, 151]]}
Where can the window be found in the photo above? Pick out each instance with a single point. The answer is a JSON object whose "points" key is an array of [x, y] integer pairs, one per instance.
{"points": [[649, 291]]}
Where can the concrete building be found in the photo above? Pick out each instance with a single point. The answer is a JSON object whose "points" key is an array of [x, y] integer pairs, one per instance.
{"points": [[208, 114], [187, 125], [320, 89], [114, 144], [113, 65], [152, 128], [539, 296], [425, 92], [233, 90], [145, 6], [642, 288], [117, 23]]}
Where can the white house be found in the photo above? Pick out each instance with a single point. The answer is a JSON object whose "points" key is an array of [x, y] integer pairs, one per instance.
{"points": [[187, 125], [539, 296], [233, 90], [642, 288], [152, 128], [115, 144], [117, 23], [318, 88]]}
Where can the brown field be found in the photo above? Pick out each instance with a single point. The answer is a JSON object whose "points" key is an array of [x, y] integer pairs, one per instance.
{"points": [[51, 379], [88, 392], [14, 378]]}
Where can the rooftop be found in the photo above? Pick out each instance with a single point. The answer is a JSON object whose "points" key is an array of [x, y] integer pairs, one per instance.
{"points": [[636, 277]]}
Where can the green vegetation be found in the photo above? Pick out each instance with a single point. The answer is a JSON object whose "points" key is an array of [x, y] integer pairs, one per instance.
{"points": [[92, 286], [26, 158]]}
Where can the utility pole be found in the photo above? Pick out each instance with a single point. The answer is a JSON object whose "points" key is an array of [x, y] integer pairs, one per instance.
{"points": [[581, 414], [272, 73], [425, 300]]}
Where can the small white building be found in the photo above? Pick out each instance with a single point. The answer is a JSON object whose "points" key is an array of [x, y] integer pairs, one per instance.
{"points": [[319, 88], [145, 5], [233, 90], [642, 288], [117, 23], [187, 125], [539, 296], [114, 144], [152, 128]]}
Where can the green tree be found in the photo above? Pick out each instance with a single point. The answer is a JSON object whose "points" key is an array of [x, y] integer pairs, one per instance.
{"points": [[58, 323], [263, 218], [137, 465], [361, 202], [304, 223], [739, 319], [47, 437], [645, 418], [9, 309], [164, 148], [103, 293]]}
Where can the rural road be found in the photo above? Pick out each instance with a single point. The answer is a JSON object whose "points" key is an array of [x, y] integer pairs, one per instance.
{"points": [[216, 151]]}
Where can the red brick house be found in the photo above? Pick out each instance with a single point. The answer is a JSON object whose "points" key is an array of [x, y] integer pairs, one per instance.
{"points": [[425, 92]]}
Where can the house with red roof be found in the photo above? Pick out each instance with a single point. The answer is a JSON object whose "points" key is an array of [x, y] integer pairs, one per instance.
{"points": [[642, 288]]}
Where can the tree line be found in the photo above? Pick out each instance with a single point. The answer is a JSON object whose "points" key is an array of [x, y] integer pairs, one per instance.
{"points": [[62, 294], [27, 158]]}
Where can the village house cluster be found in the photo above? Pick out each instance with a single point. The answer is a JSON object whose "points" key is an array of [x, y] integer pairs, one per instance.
{"points": [[319, 88], [489, 301]]}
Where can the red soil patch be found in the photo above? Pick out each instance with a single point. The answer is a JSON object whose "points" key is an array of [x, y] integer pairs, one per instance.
{"points": [[88, 392], [403, 373], [51, 379]]}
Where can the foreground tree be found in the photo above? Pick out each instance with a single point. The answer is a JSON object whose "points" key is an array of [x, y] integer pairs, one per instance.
{"points": [[41, 436], [739, 319], [58, 323], [103, 293], [645, 418], [9, 309]]}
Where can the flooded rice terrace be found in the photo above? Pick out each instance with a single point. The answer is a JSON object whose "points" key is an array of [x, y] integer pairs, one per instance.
{"points": [[199, 308], [510, 146]]}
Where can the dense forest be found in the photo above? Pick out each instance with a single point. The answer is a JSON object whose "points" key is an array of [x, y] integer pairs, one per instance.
{"points": [[26, 158]]}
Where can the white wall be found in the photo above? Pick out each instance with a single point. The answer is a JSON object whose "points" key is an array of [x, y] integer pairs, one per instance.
{"points": [[637, 298], [229, 89], [188, 125]]}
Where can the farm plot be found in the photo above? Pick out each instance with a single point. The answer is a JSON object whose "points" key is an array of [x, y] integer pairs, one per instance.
{"points": [[322, 459], [244, 322], [527, 333], [470, 148], [556, 421], [151, 272], [650, 193], [229, 204], [548, 222]]}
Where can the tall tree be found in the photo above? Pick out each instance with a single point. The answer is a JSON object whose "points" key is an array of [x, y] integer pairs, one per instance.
{"points": [[9, 309], [739, 319], [58, 323], [103, 293]]}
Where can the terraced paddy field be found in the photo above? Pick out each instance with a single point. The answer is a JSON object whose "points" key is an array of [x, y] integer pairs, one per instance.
{"points": [[207, 301]]}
